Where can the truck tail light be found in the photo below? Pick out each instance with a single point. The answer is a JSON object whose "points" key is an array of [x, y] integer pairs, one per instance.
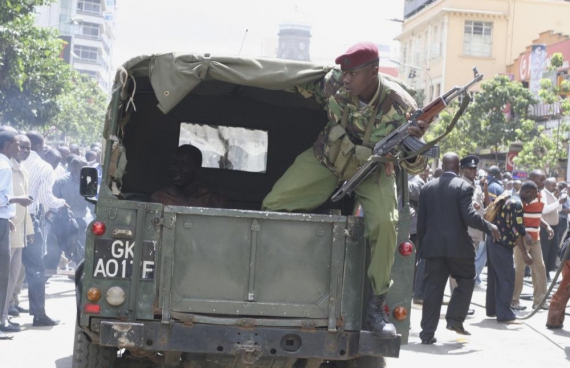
{"points": [[406, 248], [400, 313], [93, 294], [92, 308], [98, 228]]}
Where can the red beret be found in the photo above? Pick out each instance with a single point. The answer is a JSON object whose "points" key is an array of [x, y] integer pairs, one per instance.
{"points": [[358, 55]]}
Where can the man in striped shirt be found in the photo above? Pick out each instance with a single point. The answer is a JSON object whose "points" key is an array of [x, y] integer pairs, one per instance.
{"points": [[532, 221], [41, 180]]}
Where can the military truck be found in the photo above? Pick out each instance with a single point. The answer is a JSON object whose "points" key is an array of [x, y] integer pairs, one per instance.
{"points": [[179, 286]]}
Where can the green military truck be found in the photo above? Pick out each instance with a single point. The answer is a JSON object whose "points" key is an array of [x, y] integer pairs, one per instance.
{"points": [[175, 286]]}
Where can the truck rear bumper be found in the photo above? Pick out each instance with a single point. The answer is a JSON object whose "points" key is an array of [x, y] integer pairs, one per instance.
{"points": [[252, 343]]}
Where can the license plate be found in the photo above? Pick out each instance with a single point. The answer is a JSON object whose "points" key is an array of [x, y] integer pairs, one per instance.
{"points": [[114, 258]]}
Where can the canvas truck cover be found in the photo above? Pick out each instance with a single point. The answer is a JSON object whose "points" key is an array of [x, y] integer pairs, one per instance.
{"points": [[174, 75]]}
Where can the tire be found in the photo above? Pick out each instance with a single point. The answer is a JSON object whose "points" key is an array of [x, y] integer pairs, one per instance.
{"points": [[89, 355]]}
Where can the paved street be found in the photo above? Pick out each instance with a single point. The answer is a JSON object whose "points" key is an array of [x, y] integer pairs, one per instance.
{"points": [[491, 344]]}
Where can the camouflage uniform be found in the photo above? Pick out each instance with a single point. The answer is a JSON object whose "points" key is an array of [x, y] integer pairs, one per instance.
{"points": [[312, 178]]}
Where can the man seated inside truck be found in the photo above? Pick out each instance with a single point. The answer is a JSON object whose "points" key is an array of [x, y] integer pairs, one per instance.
{"points": [[185, 190]]}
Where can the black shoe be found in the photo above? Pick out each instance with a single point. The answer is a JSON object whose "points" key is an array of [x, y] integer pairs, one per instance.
{"points": [[13, 311], [470, 312], [22, 310], [377, 318], [13, 323], [7, 327], [429, 341], [40, 321], [458, 328]]}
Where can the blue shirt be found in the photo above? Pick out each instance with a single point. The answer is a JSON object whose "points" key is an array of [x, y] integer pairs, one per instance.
{"points": [[495, 188], [7, 210]]}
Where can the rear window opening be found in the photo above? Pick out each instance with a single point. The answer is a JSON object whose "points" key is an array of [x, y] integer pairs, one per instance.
{"points": [[228, 148]]}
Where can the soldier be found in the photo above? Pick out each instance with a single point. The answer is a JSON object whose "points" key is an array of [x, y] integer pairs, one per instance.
{"points": [[363, 107]]}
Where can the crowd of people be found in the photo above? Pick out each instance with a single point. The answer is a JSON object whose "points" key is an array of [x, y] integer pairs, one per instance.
{"points": [[463, 219], [39, 186]]}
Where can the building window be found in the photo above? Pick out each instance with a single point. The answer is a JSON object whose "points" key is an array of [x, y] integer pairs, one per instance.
{"points": [[86, 53], [478, 38], [89, 6], [90, 30]]}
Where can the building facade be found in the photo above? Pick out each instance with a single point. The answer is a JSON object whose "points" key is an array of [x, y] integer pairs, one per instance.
{"points": [[87, 28], [445, 39], [294, 41]]}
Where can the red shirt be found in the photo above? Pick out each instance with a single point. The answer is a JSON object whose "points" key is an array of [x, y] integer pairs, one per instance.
{"points": [[532, 216]]}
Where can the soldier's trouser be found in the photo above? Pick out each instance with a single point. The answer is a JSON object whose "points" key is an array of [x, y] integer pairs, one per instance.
{"points": [[557, 309], [307, 184]]}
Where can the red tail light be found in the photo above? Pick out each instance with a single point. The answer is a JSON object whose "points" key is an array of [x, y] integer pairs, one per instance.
{"points": [[98, 228], [400, 313], [92, 308], [406, 248]]}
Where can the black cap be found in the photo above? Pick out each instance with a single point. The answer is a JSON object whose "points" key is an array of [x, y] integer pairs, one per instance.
{"points": [[469, 161]]}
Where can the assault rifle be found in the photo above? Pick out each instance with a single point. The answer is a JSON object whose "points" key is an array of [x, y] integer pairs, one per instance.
{"points": [[401, 137]]}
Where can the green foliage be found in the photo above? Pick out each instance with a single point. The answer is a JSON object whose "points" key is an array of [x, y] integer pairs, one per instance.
{"points": [[82, 110], [546, 150], [38, 90], [456, 140], [488, 124]]}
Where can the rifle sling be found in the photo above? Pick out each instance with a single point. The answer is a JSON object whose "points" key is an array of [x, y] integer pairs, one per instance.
{"points": [[427, 146]]}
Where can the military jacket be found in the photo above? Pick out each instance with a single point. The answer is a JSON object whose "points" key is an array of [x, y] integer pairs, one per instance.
{"points": [[391, 103]]}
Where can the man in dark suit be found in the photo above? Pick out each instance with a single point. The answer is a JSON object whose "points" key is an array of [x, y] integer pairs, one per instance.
{"points": [[445, 212]]}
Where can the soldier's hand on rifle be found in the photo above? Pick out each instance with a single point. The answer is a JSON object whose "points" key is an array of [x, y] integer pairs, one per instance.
{"points": [[418, 131]]}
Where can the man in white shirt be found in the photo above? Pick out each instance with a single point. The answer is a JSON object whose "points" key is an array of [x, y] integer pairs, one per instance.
{"points": [[9, 147], [40, 188], [550, 214]]}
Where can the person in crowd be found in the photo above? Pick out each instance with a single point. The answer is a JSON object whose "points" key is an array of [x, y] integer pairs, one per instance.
{"points": [[40, 188], [15, 308], [501, 275], [52, 157], [563, 214], [559, 301], [74, 148], [185, 190], [517, 186], [508, 176], [445, 212], [468, 173], [23, 229], [510, 185], [494, 186], [9, 148], [67, 188], [550, 214], [90, 156], [437, 173], [60, 170], [532, 221], [415, 186]]}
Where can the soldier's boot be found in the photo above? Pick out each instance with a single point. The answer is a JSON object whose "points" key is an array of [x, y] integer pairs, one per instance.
{"points": [[377, 318]]}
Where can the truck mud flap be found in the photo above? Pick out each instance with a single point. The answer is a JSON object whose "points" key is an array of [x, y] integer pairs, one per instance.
{"points": [[250, 342]]}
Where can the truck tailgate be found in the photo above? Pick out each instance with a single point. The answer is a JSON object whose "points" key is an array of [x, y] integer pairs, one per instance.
{"points": [[249, 263]]}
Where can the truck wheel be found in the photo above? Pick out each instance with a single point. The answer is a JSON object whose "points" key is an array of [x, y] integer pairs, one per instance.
{"points": [[365, 362], [88, 355]]}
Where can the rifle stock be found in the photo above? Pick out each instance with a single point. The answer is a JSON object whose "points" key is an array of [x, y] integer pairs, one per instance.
{"points": [[399, 136]]}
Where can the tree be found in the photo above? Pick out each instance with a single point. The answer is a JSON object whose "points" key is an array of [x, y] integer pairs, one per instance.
{"points": [[456, 140], [81, 110], [545, 150], [32, 74], [499, 114]]}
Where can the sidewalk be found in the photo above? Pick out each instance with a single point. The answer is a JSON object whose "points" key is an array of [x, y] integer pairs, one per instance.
{"points": [[491, 344]]}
